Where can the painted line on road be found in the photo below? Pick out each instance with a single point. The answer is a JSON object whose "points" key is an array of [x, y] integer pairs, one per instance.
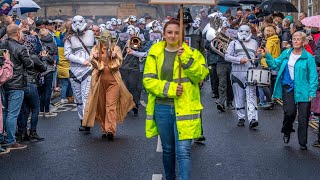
{"points": [[143, 103], [159, 145], [157, 177]]}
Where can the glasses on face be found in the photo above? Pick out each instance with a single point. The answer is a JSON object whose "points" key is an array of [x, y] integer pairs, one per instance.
{"points": [[297, 40]]}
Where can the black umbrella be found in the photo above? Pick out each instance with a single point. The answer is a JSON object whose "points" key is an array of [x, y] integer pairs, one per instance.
{"points": [[250, 2], [229, 3], [278, 5]]}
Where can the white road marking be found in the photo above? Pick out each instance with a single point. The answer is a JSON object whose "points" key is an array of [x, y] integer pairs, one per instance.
{"points": [[157, 177], [159, 145], [143, 103]]}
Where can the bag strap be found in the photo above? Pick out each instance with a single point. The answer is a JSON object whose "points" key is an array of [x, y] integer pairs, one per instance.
{"points": [[245, 50], [84, 46]]}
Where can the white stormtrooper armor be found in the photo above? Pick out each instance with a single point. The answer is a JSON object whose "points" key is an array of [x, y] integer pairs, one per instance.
{"points": [[235, 52], [80, 74]]}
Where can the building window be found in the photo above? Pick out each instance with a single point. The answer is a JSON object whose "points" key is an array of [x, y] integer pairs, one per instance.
{"points": [[310, 7]]}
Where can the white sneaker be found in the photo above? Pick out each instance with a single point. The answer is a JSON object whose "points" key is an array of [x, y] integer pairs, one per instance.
{"points": [[53, 108], [64, 101], [50, 114], [41, 113]]}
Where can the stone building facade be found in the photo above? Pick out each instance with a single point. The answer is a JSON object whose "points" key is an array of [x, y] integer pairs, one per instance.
{"points": [[97, 8], [311, 7]]}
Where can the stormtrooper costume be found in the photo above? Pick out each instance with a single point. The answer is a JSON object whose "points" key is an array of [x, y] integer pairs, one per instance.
{"points": [[242, 92], [80, 74]]}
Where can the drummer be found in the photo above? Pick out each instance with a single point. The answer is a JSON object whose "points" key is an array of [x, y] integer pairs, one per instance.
{"points": [[238, 53], [296, 84]]}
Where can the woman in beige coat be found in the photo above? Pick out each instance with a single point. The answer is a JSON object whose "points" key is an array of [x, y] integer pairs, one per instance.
{"points": [[109, 101]]}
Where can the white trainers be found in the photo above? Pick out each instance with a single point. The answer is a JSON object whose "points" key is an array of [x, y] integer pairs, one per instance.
{"points": [[41, 114], [64, 101], [53, 108]]}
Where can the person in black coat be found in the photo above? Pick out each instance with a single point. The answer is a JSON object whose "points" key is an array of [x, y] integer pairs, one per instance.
{"points": [[31, 96]]}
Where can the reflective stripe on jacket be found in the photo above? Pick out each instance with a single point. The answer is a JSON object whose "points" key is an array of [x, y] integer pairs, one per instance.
{"points": [[188, 105]]}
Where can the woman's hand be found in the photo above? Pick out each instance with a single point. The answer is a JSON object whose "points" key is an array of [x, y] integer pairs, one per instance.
{"points": [[44, 53], [180, 51], [6, 55], [262, 51], [179, 90]]}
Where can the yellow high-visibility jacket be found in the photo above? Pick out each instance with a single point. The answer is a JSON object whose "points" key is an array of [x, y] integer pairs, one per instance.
{"points": [[188, 105]]}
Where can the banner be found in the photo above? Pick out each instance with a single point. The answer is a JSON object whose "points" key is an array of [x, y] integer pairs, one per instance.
{"points": [[124, 36], [155, 36], [232, 33]]}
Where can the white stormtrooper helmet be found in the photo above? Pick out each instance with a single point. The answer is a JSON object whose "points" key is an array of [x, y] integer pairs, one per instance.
{"points": [[137, 30], [157, 29], [78, 24], [244, 33], [133, 18], [142, 21], [196, 23], [102, 27], [119, 21], [114, 22], [131, 30], [109, 26], [226, 23]]}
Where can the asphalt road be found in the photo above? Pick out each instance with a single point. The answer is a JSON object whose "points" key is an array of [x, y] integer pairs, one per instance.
{"points": [[230, 152]]}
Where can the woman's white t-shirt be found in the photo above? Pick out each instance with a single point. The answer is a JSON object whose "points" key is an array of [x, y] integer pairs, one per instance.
{"points": [[292, 61]]}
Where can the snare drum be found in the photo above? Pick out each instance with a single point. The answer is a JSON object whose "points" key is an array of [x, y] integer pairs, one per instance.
{"points": [[258, 77]]}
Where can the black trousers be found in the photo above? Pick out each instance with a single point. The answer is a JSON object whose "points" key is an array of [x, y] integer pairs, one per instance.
{"points": [[214, 80], [133, 81], [290, 109], [225, 86]]}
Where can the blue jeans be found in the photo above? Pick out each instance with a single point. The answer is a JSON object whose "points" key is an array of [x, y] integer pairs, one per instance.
{"points": [[12, 101], [172, 147], [30, 104], [66, 90], [45, 91]]}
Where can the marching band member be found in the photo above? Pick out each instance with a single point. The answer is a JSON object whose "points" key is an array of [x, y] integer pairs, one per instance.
{"points": [[237, 53], [173, 110], [119, 26], [130, 69], [114, 24], [76, 50], [109, 101], [296, 84]]}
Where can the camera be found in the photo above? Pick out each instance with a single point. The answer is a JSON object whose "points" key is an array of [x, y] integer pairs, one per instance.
{"points": [[263, 43], [2, 51]]}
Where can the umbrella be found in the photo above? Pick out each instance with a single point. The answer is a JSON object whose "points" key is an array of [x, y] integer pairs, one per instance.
{"points": [[229, 3], [278, 5], [312, 21], [25, 6], [250, 2]]}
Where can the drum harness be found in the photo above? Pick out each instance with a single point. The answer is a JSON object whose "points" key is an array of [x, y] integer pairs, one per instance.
{"points": [[236, 80]]}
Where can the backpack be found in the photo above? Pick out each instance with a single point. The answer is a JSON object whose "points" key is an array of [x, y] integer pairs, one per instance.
{"points": [[6, 71]]}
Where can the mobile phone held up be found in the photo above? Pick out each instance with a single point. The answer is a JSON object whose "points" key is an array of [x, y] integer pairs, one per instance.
{"points": [[2, 51]]}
